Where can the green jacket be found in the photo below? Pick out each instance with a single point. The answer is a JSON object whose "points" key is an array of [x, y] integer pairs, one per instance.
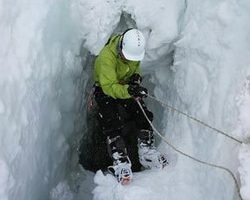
{"points": [[112, 73]]}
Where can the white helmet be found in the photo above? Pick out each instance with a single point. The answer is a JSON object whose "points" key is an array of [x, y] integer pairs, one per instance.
{"points": [[133, 45]]}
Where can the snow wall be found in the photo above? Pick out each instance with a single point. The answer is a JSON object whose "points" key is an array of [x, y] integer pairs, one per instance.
{"points": [[40, 68], [43, 74]]}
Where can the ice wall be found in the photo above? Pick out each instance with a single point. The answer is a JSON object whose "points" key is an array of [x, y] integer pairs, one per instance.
{"points": [[210, 67], [38, 74], [243, 129]]}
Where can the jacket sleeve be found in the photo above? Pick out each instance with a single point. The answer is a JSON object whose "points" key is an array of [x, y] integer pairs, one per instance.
{"points": [[106, 71]]}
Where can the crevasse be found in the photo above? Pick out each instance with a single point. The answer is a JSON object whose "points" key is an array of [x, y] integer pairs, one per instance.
{"points": [[197, 60]]}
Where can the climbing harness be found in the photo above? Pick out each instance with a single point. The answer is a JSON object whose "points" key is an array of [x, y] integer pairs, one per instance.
{"points": [[187, 155], [195, 119]]}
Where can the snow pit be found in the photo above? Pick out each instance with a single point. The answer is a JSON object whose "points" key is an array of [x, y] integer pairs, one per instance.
{"points": [[197, 60]]}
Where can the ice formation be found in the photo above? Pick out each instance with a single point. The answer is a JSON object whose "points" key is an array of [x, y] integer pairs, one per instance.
{"points": [[38, 72], [42, 83]]}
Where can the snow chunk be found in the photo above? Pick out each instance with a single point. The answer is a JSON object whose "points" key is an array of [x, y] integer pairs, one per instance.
{"points": [[61, 192], [98, 20], [108, 188], [105, 15]]}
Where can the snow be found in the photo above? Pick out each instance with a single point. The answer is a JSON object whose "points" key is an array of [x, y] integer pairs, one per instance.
{"points": [[2, 108], [42, 95], [61, 192], [97, 20], [210, 63], [212, 55], [244, 157], [105, 15], [6, 180], [149, 184], [159, 21], [38, 76], [243, 102]]}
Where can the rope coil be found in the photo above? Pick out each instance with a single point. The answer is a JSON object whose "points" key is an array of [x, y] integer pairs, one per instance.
{"points": [[187, 155]]}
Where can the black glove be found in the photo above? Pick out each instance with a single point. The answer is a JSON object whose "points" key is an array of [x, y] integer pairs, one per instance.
{"points": [[137, 91], [135, 79]]}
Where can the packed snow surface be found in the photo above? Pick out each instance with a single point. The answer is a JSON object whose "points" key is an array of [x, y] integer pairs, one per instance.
{"points": [[43, 47]]}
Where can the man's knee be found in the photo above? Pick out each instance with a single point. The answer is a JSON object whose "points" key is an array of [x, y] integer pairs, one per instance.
{"points": [[109, 121]]}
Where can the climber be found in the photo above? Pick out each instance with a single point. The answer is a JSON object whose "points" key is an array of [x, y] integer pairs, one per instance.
{"points": [[118, 82]]}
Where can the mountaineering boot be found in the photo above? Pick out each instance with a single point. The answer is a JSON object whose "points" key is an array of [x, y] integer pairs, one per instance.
{"points": [[121, 168], [149, 156]]}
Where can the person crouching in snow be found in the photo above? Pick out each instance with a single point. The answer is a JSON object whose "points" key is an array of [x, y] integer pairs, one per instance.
{"points": [[118, 82]]}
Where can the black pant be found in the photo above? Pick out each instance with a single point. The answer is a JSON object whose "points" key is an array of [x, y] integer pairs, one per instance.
{"points": [[109, 116], [112, 123]]}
